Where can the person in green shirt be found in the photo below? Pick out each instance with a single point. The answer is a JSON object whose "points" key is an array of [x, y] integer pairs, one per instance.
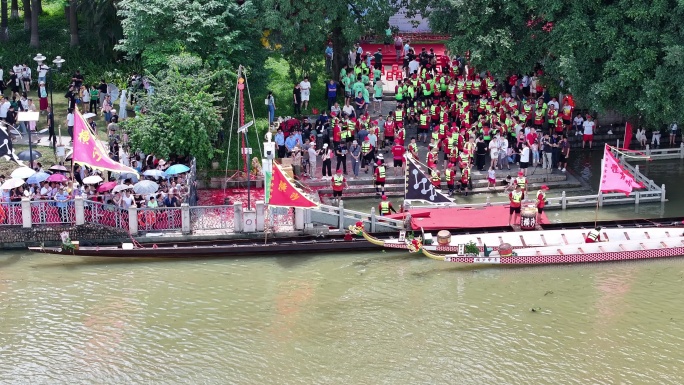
{"points": [[358, 86], [377, 96], [347, 82], [365, 79], [94, 99]]}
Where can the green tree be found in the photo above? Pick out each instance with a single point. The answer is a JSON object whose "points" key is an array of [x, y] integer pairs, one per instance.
{"points": [[220, 32], [303, 28], [620, 55], [182, 116]]}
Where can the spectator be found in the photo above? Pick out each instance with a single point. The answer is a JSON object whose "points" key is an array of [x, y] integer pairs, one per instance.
{"points": [[328, 57], [331, 91], [297, 99], [305, 87], [270, 103]]}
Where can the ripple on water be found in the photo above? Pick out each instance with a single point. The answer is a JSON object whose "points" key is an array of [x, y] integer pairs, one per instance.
{"points": [[372, 318]]}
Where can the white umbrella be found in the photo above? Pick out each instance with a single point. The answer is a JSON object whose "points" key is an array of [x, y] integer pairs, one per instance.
{"points": [[145, 187], [12, 183], [89, 115], [93, 179], [121, 187], [155, 173], [23, 172]]}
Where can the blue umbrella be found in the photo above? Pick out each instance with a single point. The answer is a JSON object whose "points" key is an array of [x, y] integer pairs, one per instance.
{"points": [[130, 175], [38, 177], [155, 173], [177, 169]]}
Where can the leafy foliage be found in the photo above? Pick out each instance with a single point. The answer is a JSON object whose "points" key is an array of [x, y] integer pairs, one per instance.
{"points": [[181, 117], [220, 32], [621, 54], [303, 28]]}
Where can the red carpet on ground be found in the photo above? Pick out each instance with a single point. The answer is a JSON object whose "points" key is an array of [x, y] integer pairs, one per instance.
{"points": [[389, 55], [464, 218]]}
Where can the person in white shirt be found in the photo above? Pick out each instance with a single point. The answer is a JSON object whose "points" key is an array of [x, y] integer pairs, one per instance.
{"points": [[525, 158], [305, 88], [577, 124], [641, 136], [655, 139], [313, 157], [42, 72], [554, 103], [494, 152], [348, 110], [70, 123], [26, 78], [588, 135], [414, 65], [4, 107]]}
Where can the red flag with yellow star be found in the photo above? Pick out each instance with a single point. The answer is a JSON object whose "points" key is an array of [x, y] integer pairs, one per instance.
{"points": [[283, 193]]}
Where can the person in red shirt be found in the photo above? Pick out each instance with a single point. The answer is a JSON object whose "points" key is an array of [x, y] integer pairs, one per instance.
{"points": [[413, 148], [450, 176], [400, 135], [465, 180], [379, 175], [541, 201], [389, 130], [398, 155]]}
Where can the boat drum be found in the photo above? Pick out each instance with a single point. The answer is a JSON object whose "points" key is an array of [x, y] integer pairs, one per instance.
{"points": [[444, 238], [528, 217], [505, 250]]}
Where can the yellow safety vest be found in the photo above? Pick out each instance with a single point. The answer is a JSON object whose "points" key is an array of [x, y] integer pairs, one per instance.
{"points": [[423, 120], [384, 208], [435, 176], [398, 116], [521, 181], [381, 172], [543, 194], [413, 147], [517, 196], [338, 179], [594, 235], [365, 146], [448, 176]]}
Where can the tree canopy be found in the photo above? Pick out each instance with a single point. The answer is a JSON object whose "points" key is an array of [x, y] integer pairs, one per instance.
{"points": [[182, 116], [616, 54]]}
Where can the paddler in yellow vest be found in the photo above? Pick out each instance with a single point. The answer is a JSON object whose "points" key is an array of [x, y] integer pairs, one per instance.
{"points": [[521, 181], [435, 178], [413, 148], [379, 176], [423, 126], [339, 182], [594, 235], [516, 197], [465, 179], [450, 176], [385, 207]]}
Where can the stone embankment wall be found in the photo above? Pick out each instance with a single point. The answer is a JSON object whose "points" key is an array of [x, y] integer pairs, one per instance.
{"points": [[15, 237]]}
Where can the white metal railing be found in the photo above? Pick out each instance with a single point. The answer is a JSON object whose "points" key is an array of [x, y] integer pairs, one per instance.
{"points": [[344, 216], [51, 212], [212, 218], [104, 214], [10, 215], [159, 219]]}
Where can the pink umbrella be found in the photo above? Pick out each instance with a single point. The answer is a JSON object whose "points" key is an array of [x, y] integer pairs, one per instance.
{"points": [[59, 178], [106, 186]]}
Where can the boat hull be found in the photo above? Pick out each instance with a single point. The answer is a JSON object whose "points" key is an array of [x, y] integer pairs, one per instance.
{"points": [[572, 258]]}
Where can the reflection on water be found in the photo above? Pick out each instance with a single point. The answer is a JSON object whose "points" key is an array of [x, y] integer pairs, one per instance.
{"points": [[374, 318]]}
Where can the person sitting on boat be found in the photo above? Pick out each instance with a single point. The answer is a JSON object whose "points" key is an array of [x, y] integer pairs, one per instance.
{"points": [[385, 207], [516, 197], [594, 235], [541, 201]]}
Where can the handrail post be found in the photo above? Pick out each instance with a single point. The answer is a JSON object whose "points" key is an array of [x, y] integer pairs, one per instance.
{"points": [[79, 206], [26, 213], [260, 215], [662, 193], [564, 201], [681, 150], [637, 196], [298, 218], [340, 224], [373, 219], [648, 150], [133, 220], [185, 218], [237, 219], [600, 199]]}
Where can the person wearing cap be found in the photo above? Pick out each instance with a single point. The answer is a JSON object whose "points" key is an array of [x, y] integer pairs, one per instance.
{"points": [[385, 207], [398, 156], [521, 180], [450, 177], [326, 156], [379, 178], [339, 182], [594, 235], [367, 154], [515, 197], [313, 155], [541, 201]]}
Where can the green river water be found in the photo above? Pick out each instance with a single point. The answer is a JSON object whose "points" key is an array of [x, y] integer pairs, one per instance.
{"points": [[366, 318]]}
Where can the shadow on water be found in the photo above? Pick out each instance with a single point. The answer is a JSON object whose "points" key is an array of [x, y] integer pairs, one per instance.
{"points": [[10, 261]]}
